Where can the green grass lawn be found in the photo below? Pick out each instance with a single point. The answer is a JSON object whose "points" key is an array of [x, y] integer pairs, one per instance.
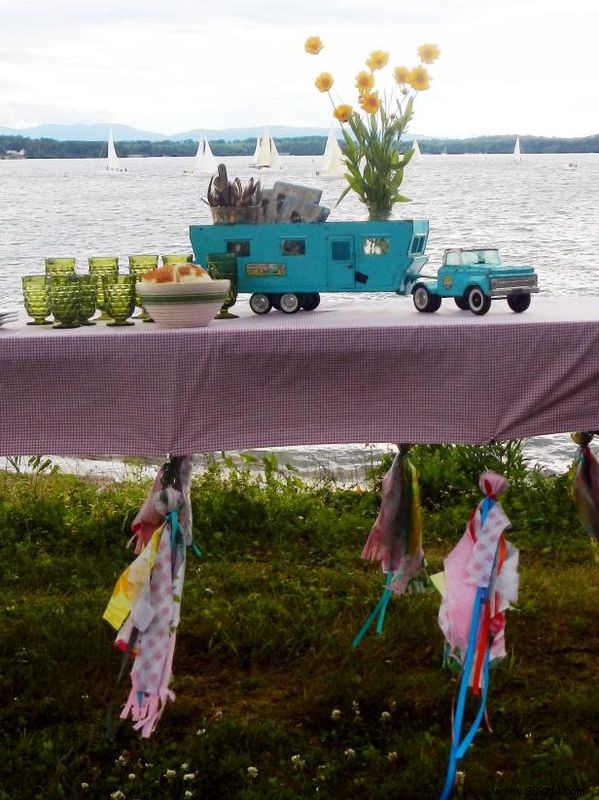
{"points": [[272, 702]]}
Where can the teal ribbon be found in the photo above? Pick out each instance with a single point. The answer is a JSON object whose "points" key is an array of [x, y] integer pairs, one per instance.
{"points": [[379, 611], [172, 518]]}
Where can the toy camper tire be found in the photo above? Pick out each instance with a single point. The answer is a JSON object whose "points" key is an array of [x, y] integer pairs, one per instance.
{"points": [[260, 303], [518, 302], [310, 301], [461, 303], [478, 302], [424, 301], [289, 303]]}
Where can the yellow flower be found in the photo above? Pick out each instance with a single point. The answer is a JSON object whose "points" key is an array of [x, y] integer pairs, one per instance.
{"points": [[402, 74], [377, 59], [370, 102], [428, 53], [364, 81], [324, 82], [419, 79], [313, 45], [343, 112]]}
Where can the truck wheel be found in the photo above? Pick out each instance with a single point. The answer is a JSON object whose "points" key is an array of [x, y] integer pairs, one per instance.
{"points": [[310, 301], [425, 301], [461, 303], [518, 302], [289, 303], [478, 302], [260, 303]]}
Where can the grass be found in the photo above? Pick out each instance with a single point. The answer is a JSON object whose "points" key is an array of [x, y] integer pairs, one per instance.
{"points": [[272, 702]]}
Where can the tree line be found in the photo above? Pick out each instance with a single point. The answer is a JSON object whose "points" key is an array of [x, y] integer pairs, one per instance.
{"points": [[295, 146]]}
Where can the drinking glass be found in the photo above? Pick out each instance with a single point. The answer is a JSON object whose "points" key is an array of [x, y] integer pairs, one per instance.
{"points": [[37, 298], [172, 259], [87, 299], [138, 266], [60, 266], [120, 298], [100, 266], [224, 266], [64, 301]]}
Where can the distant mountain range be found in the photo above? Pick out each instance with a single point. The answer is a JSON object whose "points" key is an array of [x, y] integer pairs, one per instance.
{"points": [[98, 132]]}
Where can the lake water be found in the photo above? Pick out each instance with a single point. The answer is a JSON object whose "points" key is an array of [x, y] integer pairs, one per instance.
{"points": [[537, 211]]}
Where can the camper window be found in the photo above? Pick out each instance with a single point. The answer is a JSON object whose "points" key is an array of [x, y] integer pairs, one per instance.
{"points": [[240, 247], [418, 243], [293, 247], [376, 246]]}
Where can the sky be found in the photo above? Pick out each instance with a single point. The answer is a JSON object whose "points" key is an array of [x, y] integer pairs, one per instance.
{"points": [[527, 67]]}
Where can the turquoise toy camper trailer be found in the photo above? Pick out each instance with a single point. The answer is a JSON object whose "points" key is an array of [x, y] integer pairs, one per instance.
{"points": [[289, 265], [474, 277]]}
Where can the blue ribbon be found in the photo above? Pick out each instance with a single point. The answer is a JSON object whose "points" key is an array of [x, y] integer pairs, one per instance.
{"points": [[459, 747]]}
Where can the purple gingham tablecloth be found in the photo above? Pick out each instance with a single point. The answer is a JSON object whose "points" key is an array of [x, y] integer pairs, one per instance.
{"points": [[372, 371]]}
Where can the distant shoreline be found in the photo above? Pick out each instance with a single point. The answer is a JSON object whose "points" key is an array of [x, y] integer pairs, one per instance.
{"points": [[293, 146]]}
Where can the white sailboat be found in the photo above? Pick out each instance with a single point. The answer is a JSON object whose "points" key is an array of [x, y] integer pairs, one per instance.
{"points": [[416, 149], [332, 164], [266, 155], [204, 163], [113, 163], [517, 155]]}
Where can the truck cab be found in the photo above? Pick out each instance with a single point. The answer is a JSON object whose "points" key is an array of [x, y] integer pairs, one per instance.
{"points": [[474, 276]]}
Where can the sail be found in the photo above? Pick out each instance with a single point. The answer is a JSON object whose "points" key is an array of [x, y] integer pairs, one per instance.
{"points": [[267, 155], [205, 163], [517, 155], [416, 149], [333, 163], [112, 162]]}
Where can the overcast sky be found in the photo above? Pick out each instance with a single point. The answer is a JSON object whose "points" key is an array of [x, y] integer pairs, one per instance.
{"points": [[507, 66]]}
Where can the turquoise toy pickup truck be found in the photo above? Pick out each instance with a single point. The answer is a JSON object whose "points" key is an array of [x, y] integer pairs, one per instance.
{"points": [[474, 277]]}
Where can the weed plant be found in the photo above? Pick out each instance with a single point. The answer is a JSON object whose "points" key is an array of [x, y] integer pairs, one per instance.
{"points": [[272, 702]]}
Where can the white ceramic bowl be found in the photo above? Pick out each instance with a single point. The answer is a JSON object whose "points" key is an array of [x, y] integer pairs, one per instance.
{"points": [[183, 305]]}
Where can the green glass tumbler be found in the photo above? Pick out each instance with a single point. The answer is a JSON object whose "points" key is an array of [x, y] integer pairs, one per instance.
{"points": [[172, 259], [120, 299], [60, 266], [221, 266], [36, 297], [138, 266], [64, 302], [87, 299], [99, 271]]}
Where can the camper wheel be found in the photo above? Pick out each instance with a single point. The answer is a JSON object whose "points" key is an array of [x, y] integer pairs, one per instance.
{"points": [[260, 303], [289, 303], [310, 301]]}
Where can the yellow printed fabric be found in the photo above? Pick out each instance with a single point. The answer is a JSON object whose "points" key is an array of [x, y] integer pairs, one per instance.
{"points": [[130, 583]]}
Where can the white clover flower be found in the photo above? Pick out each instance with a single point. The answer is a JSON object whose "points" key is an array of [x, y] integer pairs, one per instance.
{"points": [[392, 755], [85, 786], [355, 706], [184, 766], [350, 753], [253, 772], [385, 716], [200, 731], [118, 795], [189, 776], [188, 793], [460, 777], [335, 714], [298, 762], [170, 774], [131, 776]]}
